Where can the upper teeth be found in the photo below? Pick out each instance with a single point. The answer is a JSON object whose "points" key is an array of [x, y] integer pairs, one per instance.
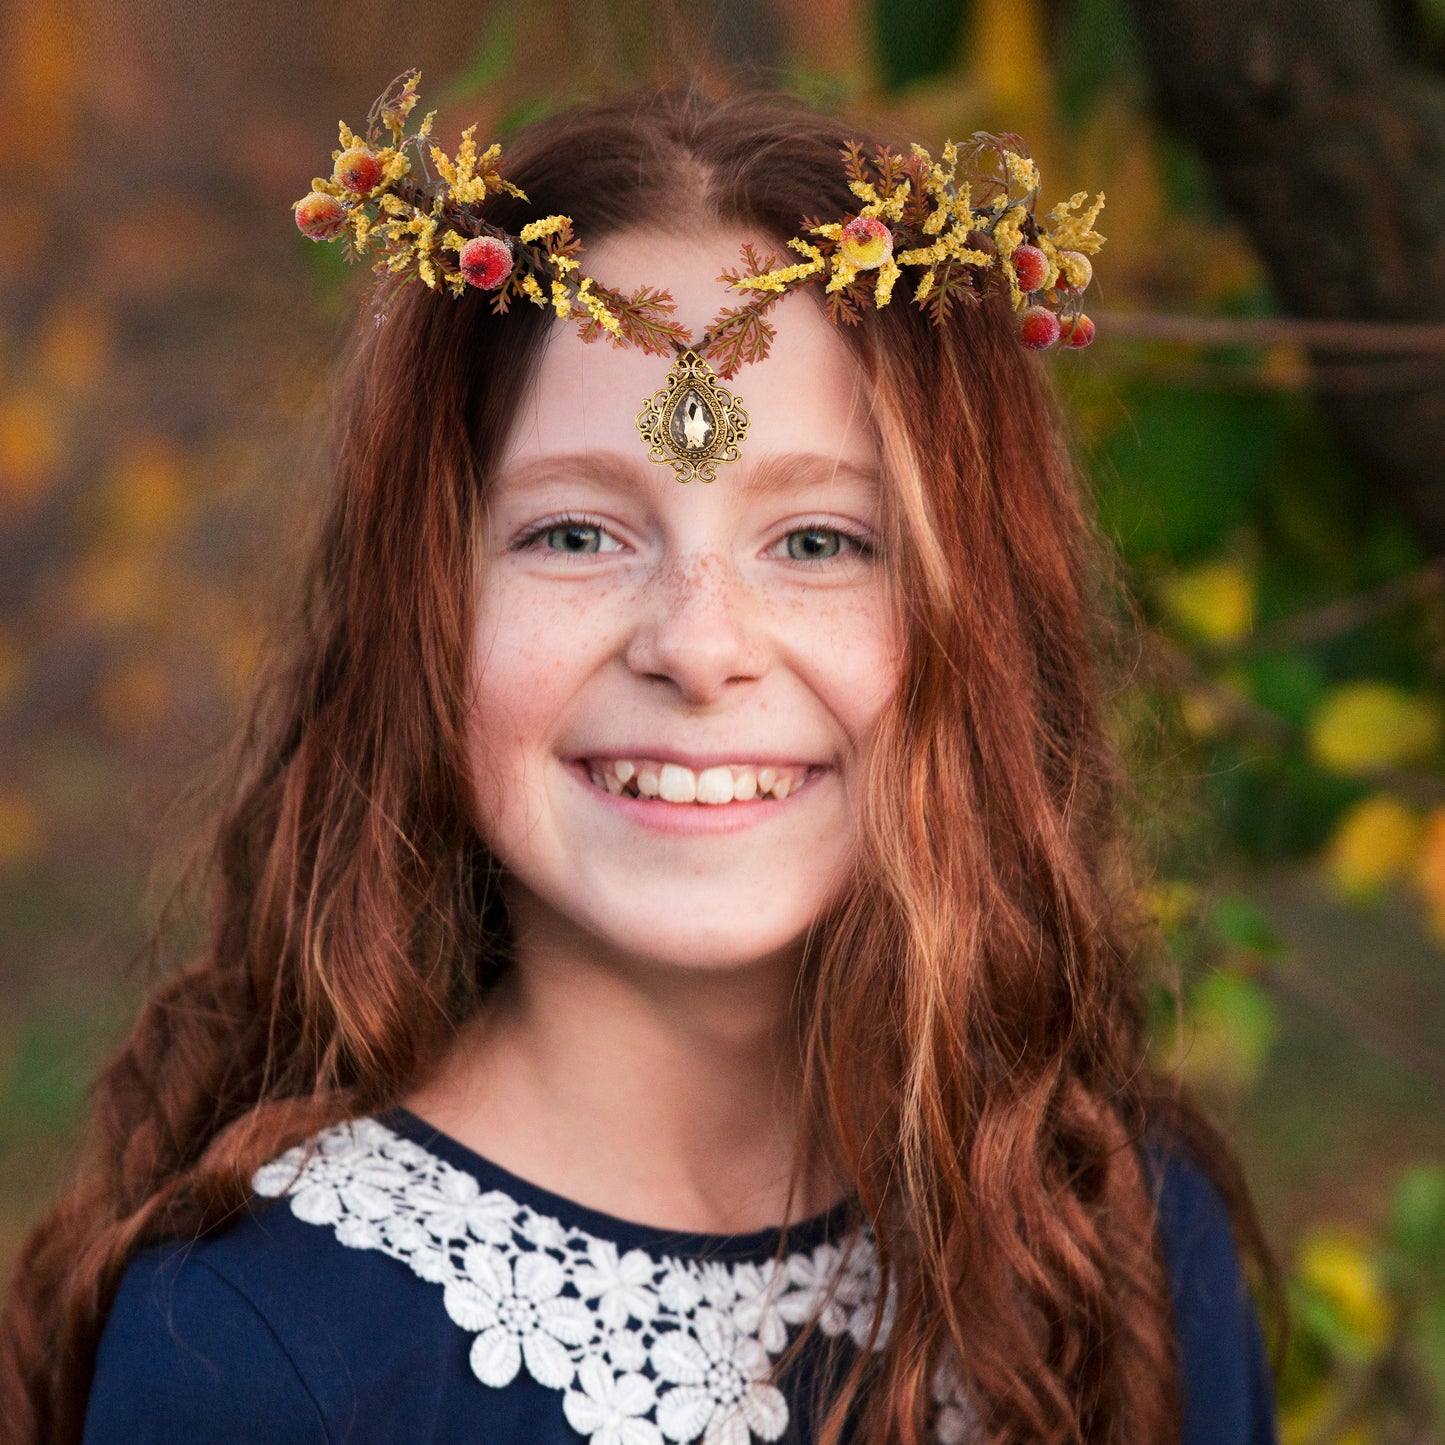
{"points": [[673, 783]]}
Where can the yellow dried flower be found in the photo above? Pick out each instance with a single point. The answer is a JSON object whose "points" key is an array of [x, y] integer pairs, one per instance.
{"points": [[472, 177], [547, 226], [394, 165], [597, 308], [561, 302], [1072, 232], [782, 277], [888, 275], [532, 290], [843, 274], [1008, 233], [1023, 174]]}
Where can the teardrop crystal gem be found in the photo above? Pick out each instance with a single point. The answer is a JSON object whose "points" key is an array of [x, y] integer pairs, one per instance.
{"points": [[692, 423]]}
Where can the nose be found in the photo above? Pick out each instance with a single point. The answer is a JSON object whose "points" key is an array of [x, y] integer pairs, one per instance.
{"points": [[700, 630]]}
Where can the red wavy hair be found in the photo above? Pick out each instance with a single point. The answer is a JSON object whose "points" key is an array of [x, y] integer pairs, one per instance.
{"points": [[972, 1015]]}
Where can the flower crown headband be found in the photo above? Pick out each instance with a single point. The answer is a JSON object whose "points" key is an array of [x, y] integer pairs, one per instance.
{"points": [[956, 228]]}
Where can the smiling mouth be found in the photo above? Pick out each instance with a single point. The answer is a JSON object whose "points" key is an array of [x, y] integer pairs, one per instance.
{"points": [[713, 786]]}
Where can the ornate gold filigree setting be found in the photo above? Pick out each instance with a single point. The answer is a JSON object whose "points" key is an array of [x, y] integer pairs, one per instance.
{"points": [[691, 423]]}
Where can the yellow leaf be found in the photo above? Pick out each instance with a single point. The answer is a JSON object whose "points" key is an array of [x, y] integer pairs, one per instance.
{"points": [[148, 493], [1364, 725], [1172, 901], [1341, 1266], [1374, 842], [31, 445], [1201, 712], [1430, 868], [1009, 53], [1301, 1420], [1213, 602]]}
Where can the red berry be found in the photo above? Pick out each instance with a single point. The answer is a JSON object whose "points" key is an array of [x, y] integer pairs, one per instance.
{"points": [[1075, 271], [320, 216], [1039, 328], [1031, 266], [1078, 331], [486, 261], [865, 243], [357, 169]]}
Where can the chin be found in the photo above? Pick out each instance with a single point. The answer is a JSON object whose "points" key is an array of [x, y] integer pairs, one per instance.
{"points": [[707, 939]]}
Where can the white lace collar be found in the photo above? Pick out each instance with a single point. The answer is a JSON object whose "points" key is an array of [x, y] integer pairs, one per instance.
{"points": [[644, 1345]]}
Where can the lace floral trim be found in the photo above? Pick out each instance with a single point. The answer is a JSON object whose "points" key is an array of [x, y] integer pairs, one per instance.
{"points": [[643, 1349]]}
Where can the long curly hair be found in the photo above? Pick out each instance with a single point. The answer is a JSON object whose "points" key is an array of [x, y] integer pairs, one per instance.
{"points": [[972, 1015]]}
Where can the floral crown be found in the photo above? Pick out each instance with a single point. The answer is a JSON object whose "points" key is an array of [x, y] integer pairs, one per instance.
{"points": [[952, 230]]}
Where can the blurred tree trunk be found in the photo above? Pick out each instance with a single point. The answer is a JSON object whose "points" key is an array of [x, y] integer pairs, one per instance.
{"points": [[1328, 140]]}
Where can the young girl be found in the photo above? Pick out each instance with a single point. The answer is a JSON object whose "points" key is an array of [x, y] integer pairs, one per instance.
{"points": [[670, 974]]}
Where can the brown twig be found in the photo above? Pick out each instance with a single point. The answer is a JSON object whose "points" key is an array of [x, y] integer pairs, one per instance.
{"points": [[1350, 613], [1361, 337]]}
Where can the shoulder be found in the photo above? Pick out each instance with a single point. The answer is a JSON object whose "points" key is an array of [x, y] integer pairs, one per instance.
{"points": [[187, 1355], [1224, 1372], [271, 1329]]}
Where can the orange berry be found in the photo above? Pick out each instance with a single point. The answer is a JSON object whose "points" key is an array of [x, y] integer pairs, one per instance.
{"points": [[486, 261], [1038, 328], [320, 216], [865, 243], [357, 169], [1031, 267], [1077, 331]]}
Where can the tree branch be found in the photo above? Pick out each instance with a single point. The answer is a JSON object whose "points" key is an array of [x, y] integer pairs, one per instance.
{"points": [[1329, 144]]}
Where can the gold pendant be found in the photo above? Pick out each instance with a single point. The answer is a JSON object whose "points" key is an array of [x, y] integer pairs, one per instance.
{"points": [[692, 423]]}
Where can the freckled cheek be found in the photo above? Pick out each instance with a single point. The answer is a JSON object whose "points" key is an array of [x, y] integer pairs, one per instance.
{"points": [[851, 658], [532, 654]]}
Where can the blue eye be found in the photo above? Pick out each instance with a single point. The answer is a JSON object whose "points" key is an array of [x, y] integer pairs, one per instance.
{"points": [[574, 537], [824, 544], [812, 543]]}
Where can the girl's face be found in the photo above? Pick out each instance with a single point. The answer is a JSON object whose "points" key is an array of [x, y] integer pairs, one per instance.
{"points": [[695, 641]]}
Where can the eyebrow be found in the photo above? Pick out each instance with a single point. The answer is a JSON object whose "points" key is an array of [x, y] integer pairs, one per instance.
{"points": [[777, 472]]}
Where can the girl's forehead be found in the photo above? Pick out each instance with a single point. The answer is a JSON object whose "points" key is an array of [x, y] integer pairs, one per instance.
{"points": [[808, 397]]}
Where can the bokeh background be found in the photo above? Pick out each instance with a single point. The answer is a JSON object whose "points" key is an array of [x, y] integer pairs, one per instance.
{"points": [[1262, 416]]}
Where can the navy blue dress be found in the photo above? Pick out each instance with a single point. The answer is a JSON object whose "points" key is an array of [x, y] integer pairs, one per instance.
{"points": [[404, 1289]]}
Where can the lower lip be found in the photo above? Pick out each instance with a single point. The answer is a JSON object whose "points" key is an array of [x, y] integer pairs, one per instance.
{"points": [[694, 818]]}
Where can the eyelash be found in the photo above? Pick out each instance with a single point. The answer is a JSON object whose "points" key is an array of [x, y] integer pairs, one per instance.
{"points": [[862, 544]]}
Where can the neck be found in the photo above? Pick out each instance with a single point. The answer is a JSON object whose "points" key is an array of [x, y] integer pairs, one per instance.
{"points": [[653, 1092]]}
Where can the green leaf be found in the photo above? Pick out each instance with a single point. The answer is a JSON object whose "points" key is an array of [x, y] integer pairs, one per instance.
{"points": [[1417, 1219], [1098, 52], [1233, 1024], [1287, 684], [1183, 470], [916, 39], [1428, 1347], [1240, 922], [496, 49]]}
